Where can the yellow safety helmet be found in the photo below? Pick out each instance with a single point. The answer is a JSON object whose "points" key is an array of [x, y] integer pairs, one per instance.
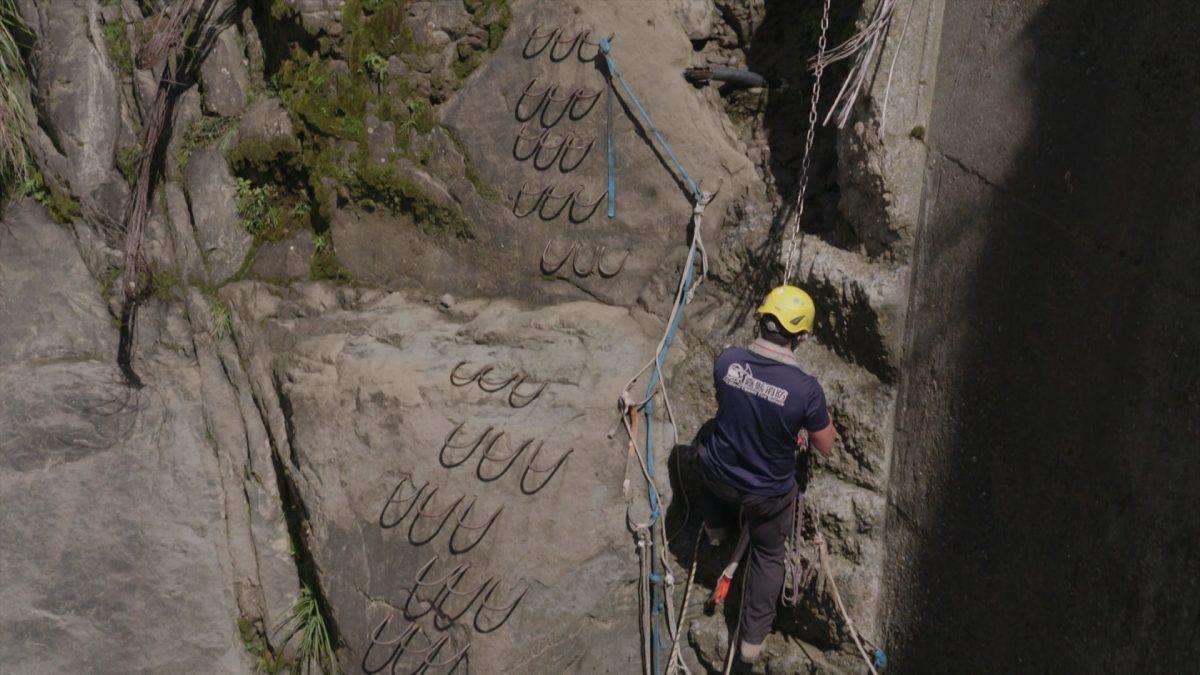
{"points": [[791, 307]]}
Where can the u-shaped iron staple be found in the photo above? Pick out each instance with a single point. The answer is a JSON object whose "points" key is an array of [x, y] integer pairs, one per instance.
{"points": [[411, 501], [549, 472], [586, 271], [494, 386], [551, 194], [507, 461], [583, 94], [600, 264], [419, 582], [442, 519], [571, 43], [429, 662], [460, 381], [571, 144], [524, 137], [444, 618], [513, 396], [528, 92], [447, 445], [546, 144], [506, 610], [522, 192], [547, 268], [554, 97], [585, 41], [590, 206], [482, 528], [403, 639], [536, 36]]}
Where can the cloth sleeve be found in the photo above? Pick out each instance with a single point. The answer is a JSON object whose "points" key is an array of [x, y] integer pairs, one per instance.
{"points": [[816, 415]]}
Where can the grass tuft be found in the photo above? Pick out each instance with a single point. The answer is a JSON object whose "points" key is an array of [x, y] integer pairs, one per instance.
{"points": [[307, 622], [222, 321], [256, 207], [14, 80]]}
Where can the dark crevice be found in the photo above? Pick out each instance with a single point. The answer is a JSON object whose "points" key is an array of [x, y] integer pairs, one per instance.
{"points": [[297, 516]]}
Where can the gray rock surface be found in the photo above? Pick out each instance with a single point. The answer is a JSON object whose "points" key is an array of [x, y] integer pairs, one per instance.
{"points": [[223, 77], [319, 15], [113, 527], [76, 96], [265, 118], [364, 387], [212, 199], [284, 260]]}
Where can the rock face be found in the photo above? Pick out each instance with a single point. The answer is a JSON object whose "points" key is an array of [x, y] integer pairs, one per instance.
{"points": [[212, 196], [467, 445], [114, 519], [77, 99], [399, 398]]}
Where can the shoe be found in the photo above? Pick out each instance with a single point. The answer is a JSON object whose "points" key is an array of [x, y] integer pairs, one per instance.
{"points": [[715, 535], [749, 652]]}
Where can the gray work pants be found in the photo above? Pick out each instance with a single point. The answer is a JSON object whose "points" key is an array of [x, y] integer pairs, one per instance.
{"points": [[769, 520]]}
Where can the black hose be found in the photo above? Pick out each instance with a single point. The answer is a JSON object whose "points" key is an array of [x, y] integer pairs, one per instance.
{"points": [[733, 76]]}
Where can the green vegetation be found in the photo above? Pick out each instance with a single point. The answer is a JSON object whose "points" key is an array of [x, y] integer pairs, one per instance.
{"points": [[203, 132], [165, 284], [222, 320], [14, 128], [472, 173], [256, 207], [331, 86], [119, 49], [254, 639], [273, 157], [108, 281], [376, 66], [62, 206], [316, 646], [128, 159], [375, 187]]}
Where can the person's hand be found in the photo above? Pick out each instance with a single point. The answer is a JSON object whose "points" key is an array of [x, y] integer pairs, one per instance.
{"points": [[802, 441]]}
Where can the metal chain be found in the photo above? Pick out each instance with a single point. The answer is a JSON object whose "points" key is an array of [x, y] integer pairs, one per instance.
{"points": [[818, 69]]}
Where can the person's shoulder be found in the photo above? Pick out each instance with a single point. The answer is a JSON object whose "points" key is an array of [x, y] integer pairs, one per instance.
{"points": [[731, 352], [803, 380]]}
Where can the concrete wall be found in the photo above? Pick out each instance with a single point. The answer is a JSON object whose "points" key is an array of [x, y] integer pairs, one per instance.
{"points": [[1043, 506]]}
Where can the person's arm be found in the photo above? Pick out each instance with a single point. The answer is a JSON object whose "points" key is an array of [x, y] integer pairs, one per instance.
{"points": [[823, 440]]}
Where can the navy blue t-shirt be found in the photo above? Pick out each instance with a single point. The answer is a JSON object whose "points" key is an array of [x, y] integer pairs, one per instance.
{"points": [[762, 404]]}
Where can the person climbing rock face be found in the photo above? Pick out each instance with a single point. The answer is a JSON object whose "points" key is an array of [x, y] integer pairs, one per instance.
{"points": [[765, 406]]}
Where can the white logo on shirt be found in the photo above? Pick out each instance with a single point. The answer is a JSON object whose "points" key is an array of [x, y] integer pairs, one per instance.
{"points": [[739, 375]]}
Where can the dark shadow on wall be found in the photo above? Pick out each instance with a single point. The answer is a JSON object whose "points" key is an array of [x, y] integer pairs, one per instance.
{"points": [[1045, 493]]}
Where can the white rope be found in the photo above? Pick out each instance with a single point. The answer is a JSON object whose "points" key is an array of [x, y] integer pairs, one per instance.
{"points": [[837, 598], [671, 663], [862, 48], [628, 408]]}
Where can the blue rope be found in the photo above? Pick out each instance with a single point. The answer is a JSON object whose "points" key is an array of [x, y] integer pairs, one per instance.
{"points": [[656, 575], [606, 50], [656, 578], [612, 161]]}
